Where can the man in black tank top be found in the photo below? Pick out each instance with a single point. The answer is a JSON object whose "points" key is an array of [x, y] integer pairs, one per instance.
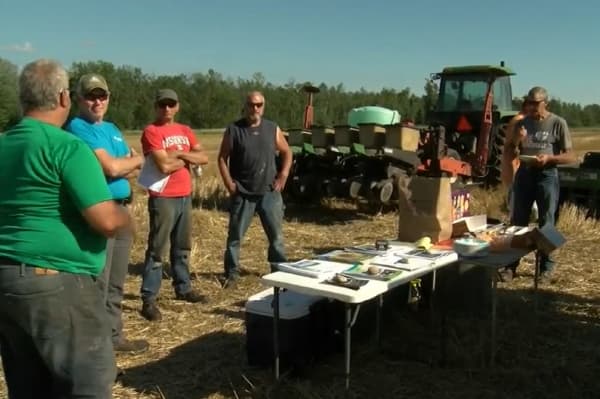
{"points": [[247, 166]]}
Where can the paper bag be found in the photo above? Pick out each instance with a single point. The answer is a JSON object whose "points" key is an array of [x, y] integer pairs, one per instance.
{"points": [[425, 208]]}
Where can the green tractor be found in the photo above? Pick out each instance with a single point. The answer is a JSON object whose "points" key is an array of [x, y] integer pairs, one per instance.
{"points": [[468, 123]]}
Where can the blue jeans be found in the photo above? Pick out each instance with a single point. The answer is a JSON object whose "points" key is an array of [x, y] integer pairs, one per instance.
{"points": [[112, 278], [54, 336], [541, 186], [170, 221], [241, 211]]}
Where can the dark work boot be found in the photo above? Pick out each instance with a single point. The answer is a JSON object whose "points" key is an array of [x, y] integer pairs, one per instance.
{"points": [[151, 312]]}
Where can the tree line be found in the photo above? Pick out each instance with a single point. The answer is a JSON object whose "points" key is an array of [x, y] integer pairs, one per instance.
{"points": [[210, 100]]}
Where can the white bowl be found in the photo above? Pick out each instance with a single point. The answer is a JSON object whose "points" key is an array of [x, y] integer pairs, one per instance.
{"points": [[471, 247]]}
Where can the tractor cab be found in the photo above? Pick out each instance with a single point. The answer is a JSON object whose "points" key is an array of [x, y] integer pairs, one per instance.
{"points": [[463, 93], [472, 102]]}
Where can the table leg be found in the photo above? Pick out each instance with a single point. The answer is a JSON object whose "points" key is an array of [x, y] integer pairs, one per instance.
{"points": [[378, 321], [432, 299], [444, 337], [493, 333], [538, 261], [276, 331], [347, 343]]}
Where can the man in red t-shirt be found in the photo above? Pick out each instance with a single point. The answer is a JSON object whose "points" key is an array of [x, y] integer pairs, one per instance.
{"points": [[173, 148]]}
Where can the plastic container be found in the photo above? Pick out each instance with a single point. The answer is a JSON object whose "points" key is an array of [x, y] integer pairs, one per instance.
{"points": [[296, 330], [346, 135], [371, 135], [297, 137], [322, 136], [405, 138], [373, 115]]}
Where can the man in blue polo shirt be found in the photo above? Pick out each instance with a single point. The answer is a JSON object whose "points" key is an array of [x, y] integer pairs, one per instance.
{"points": [[118, 162]]}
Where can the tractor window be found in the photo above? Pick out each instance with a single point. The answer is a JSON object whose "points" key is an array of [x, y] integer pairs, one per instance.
{"points": [[502, 93], [462, 93], [474, 94]]}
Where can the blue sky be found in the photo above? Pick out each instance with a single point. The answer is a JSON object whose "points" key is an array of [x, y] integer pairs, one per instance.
{"points": [[370, 44]]}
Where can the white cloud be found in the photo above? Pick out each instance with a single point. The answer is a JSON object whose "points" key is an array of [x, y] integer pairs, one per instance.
{"points": [[26, 47]]}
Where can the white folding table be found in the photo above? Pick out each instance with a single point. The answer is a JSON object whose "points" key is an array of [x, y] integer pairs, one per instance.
{"points": [[350, 297]]}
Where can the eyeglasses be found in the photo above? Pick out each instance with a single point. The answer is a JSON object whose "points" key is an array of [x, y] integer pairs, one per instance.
{"points": [[94, 96], [530, 102], [255, 105], [165, 104]]}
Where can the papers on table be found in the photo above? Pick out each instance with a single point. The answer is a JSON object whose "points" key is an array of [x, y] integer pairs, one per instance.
{"points": [[151, 177], [401, 262], [369, 249], [412, 258], [346, 256], [355, 261], [372, 272], [313, 267]]}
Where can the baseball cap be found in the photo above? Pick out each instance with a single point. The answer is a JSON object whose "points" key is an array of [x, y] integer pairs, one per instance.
{"points": [[90, 82], [166, 94]]}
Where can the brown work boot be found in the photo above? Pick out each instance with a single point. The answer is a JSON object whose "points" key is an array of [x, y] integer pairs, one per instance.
{"points": [[191, 297], [151, 312], [132, 346]]}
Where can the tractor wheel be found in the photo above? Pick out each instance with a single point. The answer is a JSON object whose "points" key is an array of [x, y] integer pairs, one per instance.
{"points": [[385, 189], [497, 139], [355, 188]]}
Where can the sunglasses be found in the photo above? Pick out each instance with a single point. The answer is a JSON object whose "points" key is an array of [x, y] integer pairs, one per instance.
{"points": [[95, 96], [255, 105], [167, 104]]}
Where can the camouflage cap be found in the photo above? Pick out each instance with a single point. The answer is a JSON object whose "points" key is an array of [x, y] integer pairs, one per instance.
{"points": [[166, 94], [91, 81]]}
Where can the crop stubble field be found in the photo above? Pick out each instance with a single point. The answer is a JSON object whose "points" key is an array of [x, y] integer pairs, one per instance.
{"points": [[198, 350]]}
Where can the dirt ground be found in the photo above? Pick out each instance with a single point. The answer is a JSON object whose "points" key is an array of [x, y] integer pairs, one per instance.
{"points": [[199, 350]]}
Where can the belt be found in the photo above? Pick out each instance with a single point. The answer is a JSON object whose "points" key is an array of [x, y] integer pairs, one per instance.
{"points": [[123, 201], [38, 271]]}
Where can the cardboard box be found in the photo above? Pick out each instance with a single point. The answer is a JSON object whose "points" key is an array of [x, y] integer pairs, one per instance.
{"points": [[346, 135], [546, 239], [402, 137], [371, 135], [468, 224], [322, 136]]}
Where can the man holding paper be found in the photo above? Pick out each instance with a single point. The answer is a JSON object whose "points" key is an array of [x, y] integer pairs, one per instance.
{"points": [[170, 149], [118, 162], [544, 141]]}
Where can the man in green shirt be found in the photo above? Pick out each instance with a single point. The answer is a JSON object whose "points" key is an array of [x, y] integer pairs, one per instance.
{"points": [[55, 214]]}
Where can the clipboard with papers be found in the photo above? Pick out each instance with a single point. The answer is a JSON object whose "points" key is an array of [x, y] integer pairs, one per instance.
{"points": [[151, 177]]}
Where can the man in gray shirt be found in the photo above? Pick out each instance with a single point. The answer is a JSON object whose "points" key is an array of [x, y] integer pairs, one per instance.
{"points": [[545, 140]]}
